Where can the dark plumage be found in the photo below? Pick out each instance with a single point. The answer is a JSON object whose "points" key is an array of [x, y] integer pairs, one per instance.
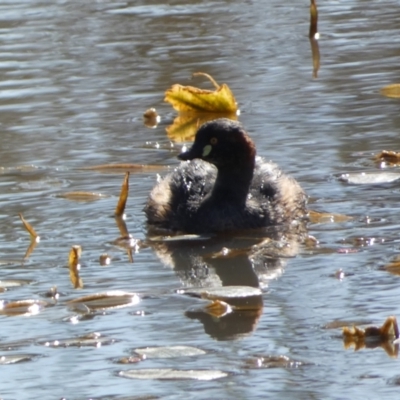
{"points": [[223, 186]]}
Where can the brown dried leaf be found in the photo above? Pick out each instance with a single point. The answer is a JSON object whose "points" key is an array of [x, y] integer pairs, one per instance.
{"points": [[189, 99], [313, 19], [22, 307], [29, 228], [389, 157], [150, 118], [321, 217], [104, 259], [111, 299], [373, 336], [393, 267], [81, 196], [392, 91], [218, 308], [74, 266], [123, 197]]}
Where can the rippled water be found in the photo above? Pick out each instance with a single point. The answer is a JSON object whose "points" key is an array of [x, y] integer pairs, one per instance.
{"points": [[75, 79]]}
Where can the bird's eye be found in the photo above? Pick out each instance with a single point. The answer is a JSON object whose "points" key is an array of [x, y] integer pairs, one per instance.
{"points": [[213, 140]]}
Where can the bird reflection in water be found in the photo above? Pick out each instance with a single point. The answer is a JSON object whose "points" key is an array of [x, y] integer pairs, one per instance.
{"points": [[249, 259]]}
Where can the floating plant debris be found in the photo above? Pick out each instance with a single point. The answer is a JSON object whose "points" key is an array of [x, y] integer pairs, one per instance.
{"points": [[272, 362], [336, 324], [30, 248], [238, 297], [52, 293], [369, 178], [389, 157], [74, 266], [130, 360], [173, 374], [111, 299], [372, 336], [340, 274], [392, 91], [16, 358], [313, 19], [29, 228], [150, 118], [311, 241], [94, 339], [81, 196], [22, 307], [121, 168], [169, 351], [178, 238], [314, 36], [126, 240], [321, 217], [123, 197], [13, 283], [218, 308], [104, 259], [9, 262], [35, 238], [393, 267], [187, 99]]}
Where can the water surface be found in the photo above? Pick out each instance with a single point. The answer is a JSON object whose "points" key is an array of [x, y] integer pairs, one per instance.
{"points": [[75, 79]]}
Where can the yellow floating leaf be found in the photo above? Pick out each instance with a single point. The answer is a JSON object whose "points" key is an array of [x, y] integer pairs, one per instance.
{"points": [[189, 99], [185, 126], [123, 197], [392, 91]]}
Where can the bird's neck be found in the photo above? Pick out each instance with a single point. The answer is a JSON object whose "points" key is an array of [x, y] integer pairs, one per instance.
{"points": [[233, 182]]}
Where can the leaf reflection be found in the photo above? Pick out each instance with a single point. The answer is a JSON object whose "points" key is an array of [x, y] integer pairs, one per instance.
{"points": [[372, 337]]}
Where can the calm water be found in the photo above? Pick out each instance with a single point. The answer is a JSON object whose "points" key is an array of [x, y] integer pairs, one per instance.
{"points": [[75, 79]]}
